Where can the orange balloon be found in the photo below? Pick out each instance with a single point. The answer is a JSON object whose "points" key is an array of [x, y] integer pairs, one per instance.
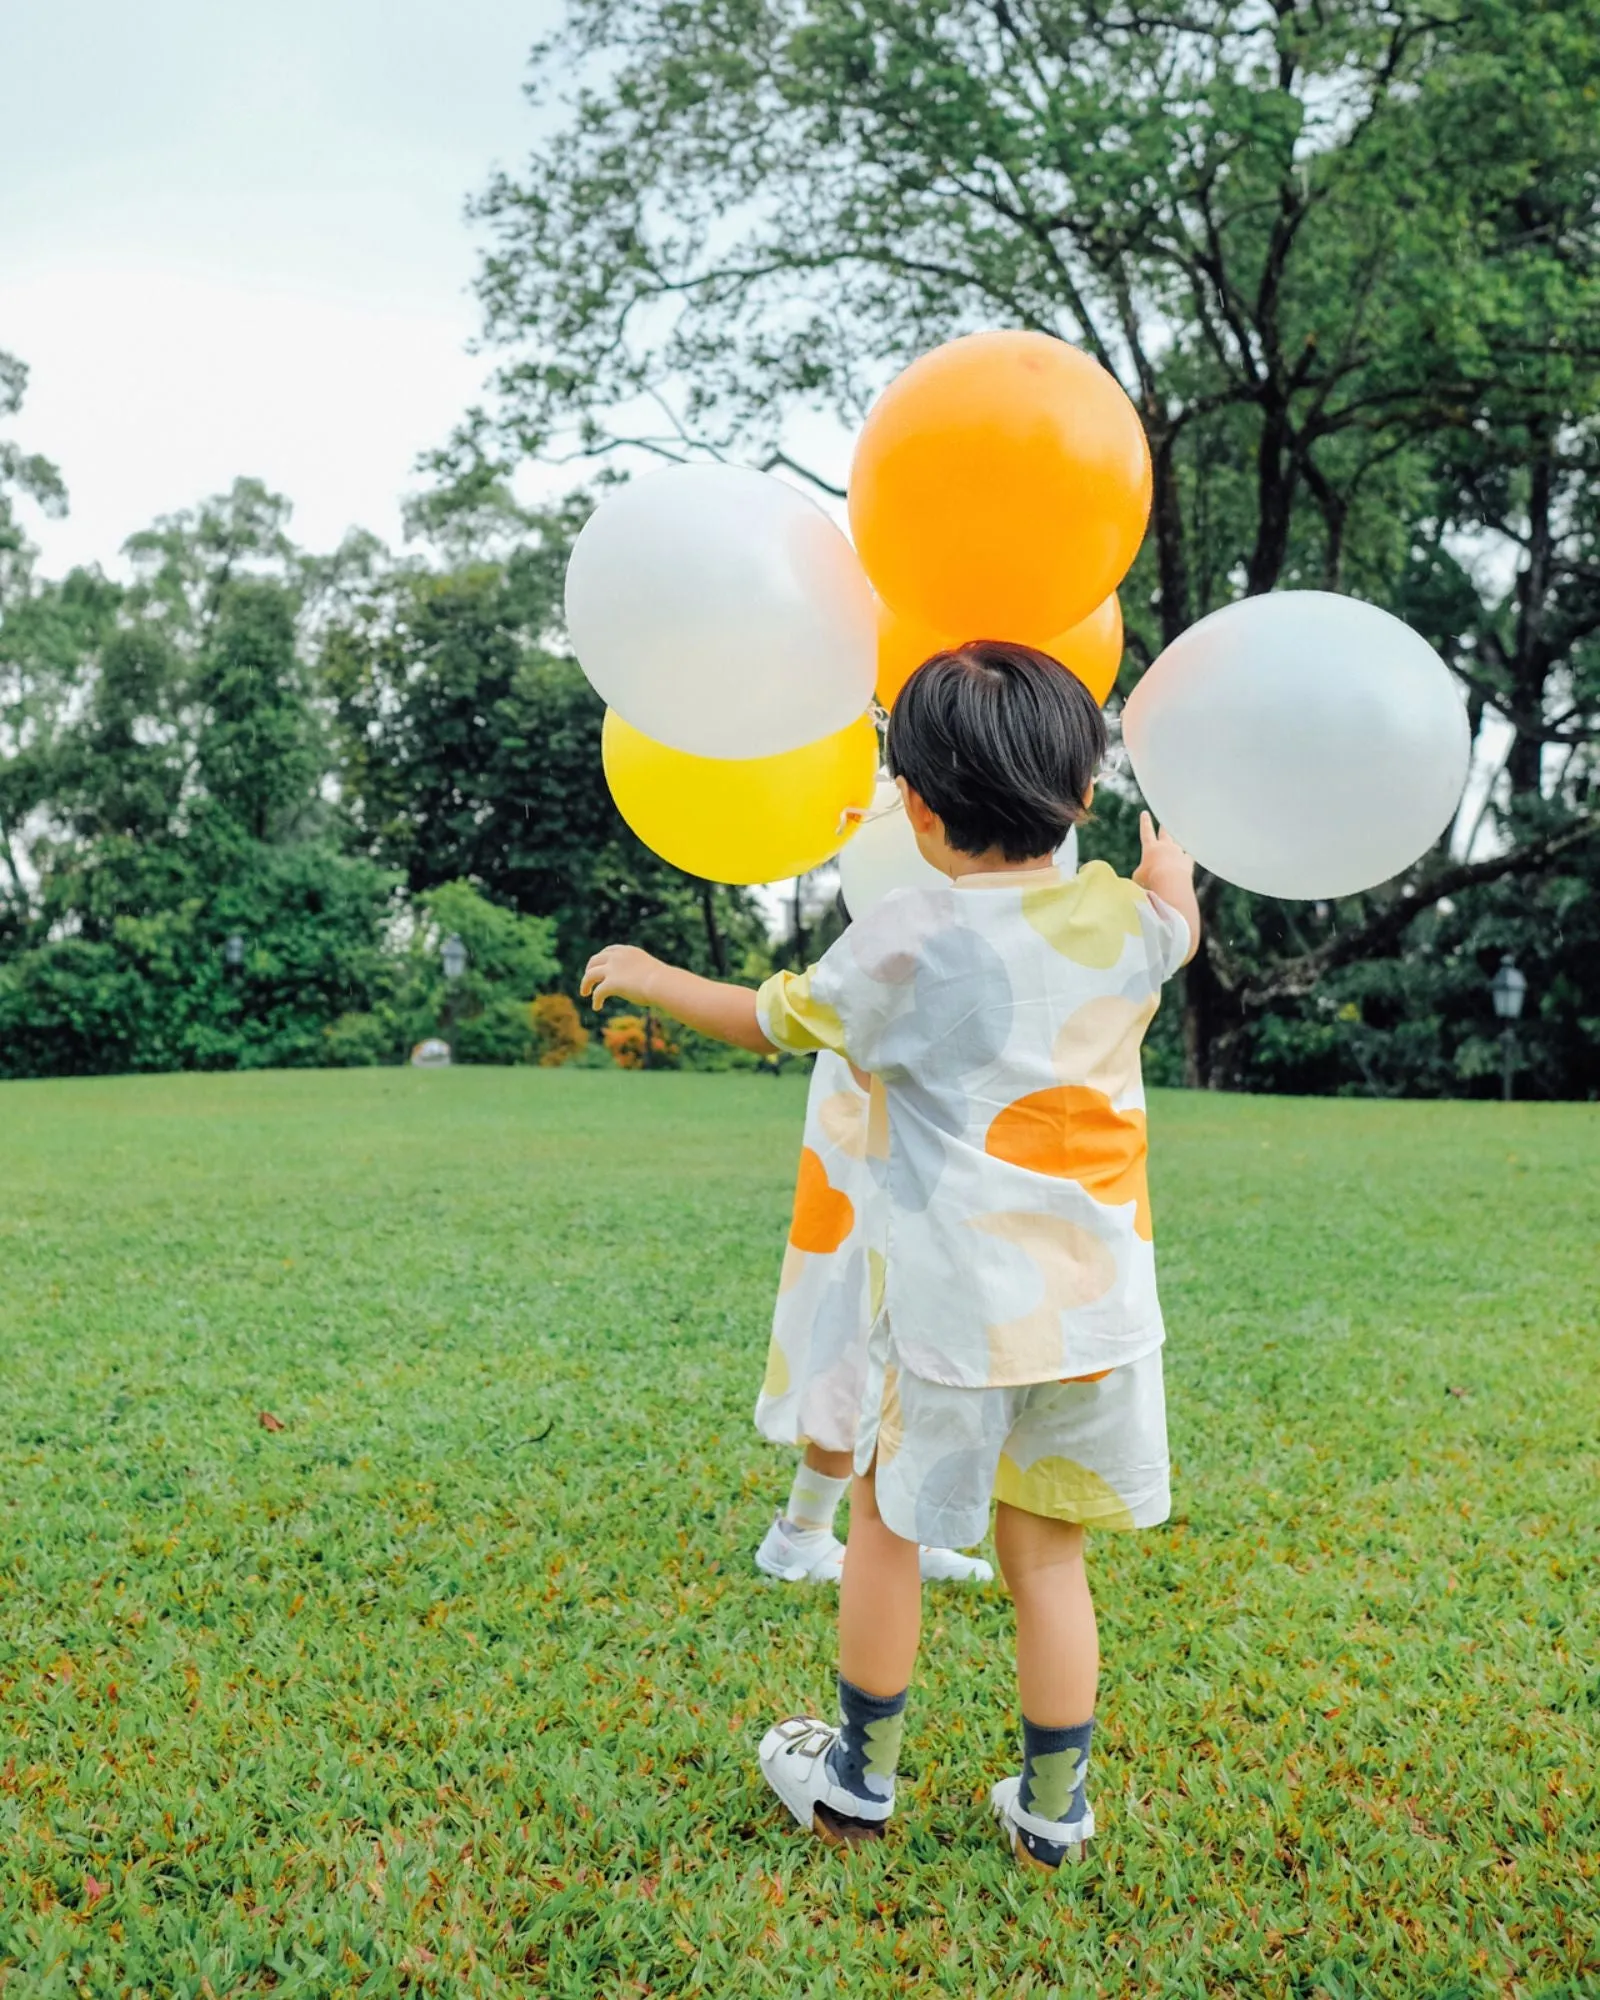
{"points": [[1093, 648], [903, 645], [1001, 484]]}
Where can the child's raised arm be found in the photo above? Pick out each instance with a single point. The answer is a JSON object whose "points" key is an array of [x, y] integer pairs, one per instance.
{"points": [[709, 1006], [1166, 871]]}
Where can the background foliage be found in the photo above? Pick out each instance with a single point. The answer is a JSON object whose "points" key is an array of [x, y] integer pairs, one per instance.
{"points": [[1344, 256]]}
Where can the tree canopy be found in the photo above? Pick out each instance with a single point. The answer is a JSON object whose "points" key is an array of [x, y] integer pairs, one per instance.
{"points": [[1341, 256]]}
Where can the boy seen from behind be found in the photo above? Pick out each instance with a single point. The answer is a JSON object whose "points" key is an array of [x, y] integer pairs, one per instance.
{"points": [[1016, 1355]]}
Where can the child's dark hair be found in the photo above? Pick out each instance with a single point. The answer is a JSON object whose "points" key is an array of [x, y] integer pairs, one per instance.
{"points": [[1002, 742]]}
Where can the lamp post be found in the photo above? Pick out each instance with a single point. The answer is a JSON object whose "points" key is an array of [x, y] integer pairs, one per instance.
{"points": [[1509, 988], [453, 957]]}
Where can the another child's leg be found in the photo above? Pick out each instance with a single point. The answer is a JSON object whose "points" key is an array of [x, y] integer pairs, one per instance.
{"points": [[1058, 1668], [800, 1545], [819, 1485]]}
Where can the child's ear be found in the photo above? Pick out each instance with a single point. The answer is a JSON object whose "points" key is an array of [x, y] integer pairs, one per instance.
{"points": [[921, 815]]}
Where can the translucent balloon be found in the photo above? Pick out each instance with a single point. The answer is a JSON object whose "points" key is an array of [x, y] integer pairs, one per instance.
{"points": [[722, 613], [1000, 487], [742, 819], [883, 855], [1301, 745]]}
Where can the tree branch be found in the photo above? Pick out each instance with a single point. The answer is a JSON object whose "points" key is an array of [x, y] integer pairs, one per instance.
{"points": [[1297, 977]]}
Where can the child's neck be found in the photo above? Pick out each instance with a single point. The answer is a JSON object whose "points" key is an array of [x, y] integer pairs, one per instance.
{"points": [[993, 863]]}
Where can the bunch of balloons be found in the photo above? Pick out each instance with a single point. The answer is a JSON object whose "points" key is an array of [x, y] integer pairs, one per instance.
{"points": [[1299, 744], [999, 490]]}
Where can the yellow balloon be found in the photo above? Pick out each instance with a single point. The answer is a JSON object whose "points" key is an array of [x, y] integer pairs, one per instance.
{"points": [[742, 820]]}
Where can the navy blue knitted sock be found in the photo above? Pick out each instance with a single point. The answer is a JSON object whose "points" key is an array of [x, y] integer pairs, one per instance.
{"points": [[1055, 1769], [868, 1750]]}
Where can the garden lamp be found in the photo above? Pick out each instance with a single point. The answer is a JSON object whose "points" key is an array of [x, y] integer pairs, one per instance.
{"points": [[453, 957], [1509, 988], [233, 951]]}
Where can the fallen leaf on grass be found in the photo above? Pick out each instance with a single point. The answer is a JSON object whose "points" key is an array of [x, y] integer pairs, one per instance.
{"points": [[93, 1890], [1460, 1394], [269, 1422]]}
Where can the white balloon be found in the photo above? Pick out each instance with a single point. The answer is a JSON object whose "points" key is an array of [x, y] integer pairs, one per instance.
{"points": [[721, 612], [1301, 744], [882, 854]]}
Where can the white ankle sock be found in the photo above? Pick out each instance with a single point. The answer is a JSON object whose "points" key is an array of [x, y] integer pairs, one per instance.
{"points": [[813, 1500]]}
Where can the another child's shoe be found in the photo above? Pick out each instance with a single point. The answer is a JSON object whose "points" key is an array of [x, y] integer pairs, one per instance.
{"points": [[800, 1555], [952, 1566], [1036, 1842], [794, 1762]]}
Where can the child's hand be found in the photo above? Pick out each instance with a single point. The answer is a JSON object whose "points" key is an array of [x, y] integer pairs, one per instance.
{"points": [[1162, 859], [620, 972]]}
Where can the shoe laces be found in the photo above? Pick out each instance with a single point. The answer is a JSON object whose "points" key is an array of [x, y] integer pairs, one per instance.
{"points": [[805, 1738]]}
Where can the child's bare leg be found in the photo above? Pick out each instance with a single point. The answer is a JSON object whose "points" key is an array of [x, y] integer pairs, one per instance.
{"points": [[1058, 1667], [1058, 1647], [831, 1464], [840, 1783], [880, 1600]]}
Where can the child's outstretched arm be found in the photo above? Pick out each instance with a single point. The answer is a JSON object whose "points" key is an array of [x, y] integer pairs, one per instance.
{"points": [[709, 1006], [1166, 871]]}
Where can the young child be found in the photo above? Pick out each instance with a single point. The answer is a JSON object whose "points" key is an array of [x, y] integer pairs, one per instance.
{"points": [[1017, 1352], [817, 1359]]}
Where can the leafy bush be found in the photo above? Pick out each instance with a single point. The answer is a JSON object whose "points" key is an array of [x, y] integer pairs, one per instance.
{"points": [[499, 1032], [359, 1041], [558, 1034]]}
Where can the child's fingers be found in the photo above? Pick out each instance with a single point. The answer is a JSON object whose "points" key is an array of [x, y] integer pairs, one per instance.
{"points": [[593, 973], [1147, 831]]}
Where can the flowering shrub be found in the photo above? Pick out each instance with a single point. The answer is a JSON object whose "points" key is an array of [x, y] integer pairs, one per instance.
{"points": [[625, 1038], [558, 1034]]}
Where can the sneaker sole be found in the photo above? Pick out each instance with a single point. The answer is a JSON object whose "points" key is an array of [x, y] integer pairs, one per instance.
{"points": [[834, 1830], [1076, 1852]]}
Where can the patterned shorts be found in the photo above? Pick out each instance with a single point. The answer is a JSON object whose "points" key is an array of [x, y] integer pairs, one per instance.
{"points": [[1090, 1452]]}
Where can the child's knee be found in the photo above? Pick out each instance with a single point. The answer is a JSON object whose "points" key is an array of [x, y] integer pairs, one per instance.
{"points": [[1029, 1542]]}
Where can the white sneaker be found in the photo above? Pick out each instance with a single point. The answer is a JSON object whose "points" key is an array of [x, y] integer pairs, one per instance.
{"points": [[1073, 1835], [794, 1762], [951, 1566], [800, 1555]]}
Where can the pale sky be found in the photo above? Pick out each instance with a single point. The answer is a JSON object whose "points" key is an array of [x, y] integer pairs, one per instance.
{"points": [[232, 242]]}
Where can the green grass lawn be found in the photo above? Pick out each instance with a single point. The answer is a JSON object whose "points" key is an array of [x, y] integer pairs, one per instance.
{"points": [[452, 1684]]}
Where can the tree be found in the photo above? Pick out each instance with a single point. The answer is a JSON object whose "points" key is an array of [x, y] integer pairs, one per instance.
{"points": [[1341, 254], [24, 476], [469, 747]]}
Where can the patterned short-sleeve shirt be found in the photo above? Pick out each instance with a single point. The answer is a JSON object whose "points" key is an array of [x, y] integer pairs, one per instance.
{"points": [[1002, 1018]]}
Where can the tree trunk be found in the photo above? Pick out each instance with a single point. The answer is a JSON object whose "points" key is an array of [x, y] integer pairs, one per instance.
{"points": [[1275, 483], [1211, 1018], [714, 944], [1166, 506]]}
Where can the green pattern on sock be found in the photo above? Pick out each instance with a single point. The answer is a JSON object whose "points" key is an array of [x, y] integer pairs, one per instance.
{"points": [[883, 1745], [1054, 1780]]}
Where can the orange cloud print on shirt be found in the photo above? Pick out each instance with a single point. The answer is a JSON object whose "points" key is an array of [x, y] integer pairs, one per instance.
{"points": [[1073, 1133], [823, 1214]]}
